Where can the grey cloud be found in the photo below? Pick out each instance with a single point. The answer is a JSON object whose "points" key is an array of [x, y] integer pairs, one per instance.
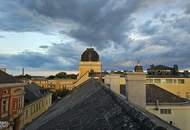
{"points": [[182, 23], [187, 11], [103, 24], [100, 21], [35, 60], [43, 46], [148, 28], [2, 36]]}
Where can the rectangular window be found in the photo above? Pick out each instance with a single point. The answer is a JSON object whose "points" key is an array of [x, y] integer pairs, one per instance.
{"points": [[4, 105], [181, 81], [20, 103], [14, 105], [26, 113], [187, 95], [175, 81], [165, 111], [169, 81], [151, 80], [157, 80], [123, 90]]}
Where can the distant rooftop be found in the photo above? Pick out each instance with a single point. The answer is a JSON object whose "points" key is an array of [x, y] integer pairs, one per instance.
{"points": [[6, 78], [177, 75], [92, 106], [33, 92]]}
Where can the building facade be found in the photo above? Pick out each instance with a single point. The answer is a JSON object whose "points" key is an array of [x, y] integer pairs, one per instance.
{"points": [[37, 101], [11, 101], [57, 84], [177, 85], [116, 83], [164, 104]]}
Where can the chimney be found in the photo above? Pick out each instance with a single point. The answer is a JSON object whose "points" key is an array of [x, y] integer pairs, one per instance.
{"points": [[136, 88]]}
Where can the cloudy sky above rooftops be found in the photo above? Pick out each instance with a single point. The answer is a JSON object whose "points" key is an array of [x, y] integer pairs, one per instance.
{"points": [[50, 35]]}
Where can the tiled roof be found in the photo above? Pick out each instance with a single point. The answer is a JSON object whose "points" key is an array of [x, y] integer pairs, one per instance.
{"points": [[92, 107], [155, 93], [33, 92], [6, 78]]}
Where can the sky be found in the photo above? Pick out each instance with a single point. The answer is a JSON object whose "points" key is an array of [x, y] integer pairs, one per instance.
{"points": [[48, 36]]}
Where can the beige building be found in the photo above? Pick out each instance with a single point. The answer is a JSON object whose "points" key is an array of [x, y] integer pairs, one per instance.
{"points": [[169, 107], [116, 82], [57, 84], [177, 85], [158, 101], [37, 101]]}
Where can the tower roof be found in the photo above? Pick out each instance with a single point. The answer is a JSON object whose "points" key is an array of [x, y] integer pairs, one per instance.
{"points": [[90, 55]]}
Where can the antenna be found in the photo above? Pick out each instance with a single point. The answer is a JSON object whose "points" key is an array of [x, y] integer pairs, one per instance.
{"points": [[23, 71], [138, 62]]}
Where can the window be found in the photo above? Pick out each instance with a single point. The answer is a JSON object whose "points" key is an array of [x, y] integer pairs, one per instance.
{"points": [[26, 113], [20, 103], [4, 105], [187, 95], [14, 104], [181, 81], [5, 91], [151, 80], [175, 81], [169, 81], [157, 80], [123, 90], [165, 111]]}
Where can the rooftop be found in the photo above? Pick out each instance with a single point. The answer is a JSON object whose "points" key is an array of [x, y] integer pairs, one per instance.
{"points": [[156, 94], [33, 92], [91, 107], [178, 75], [6, 78]]}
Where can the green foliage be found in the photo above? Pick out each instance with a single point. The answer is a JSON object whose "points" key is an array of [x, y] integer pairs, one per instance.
{"points": [[63, 75], [26, 76], [51, 77]]}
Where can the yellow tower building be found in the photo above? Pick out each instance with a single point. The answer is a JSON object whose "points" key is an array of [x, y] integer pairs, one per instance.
{"points": [[90, 62]]}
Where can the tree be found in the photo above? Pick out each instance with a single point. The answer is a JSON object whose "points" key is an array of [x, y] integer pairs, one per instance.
{"points": [[51, 77], [61, 75], [175, 69]]}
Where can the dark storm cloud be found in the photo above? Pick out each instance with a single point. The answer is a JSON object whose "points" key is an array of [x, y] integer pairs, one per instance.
{"points": [[161, 37], [15, 17], [34, 60], [100, 21]]}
